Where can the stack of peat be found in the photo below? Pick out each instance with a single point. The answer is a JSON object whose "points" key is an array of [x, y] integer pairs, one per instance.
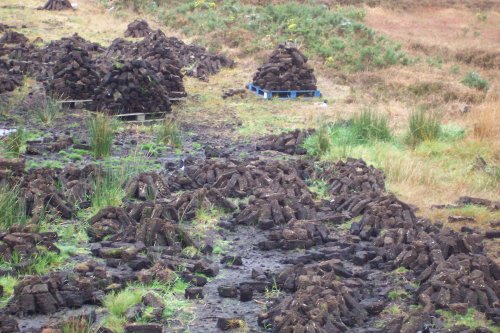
{"points": [[131, 87], [286, 69], [289, 143], [57, 5], [138, 29], [198, 62], [9, 78], [13, 37], [75, 76], [164, 62]]}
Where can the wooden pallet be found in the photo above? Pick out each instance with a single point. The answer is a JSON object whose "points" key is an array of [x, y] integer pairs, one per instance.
{"points": [[140, 117], [283, 94], [74, 103]]}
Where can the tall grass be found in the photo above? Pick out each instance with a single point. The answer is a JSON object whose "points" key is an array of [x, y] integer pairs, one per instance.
{"points": [[14, 142], [49, 110], [370, 126], [12, 208], [101, 133], [485, 118], [169, 133], [423, 126]]}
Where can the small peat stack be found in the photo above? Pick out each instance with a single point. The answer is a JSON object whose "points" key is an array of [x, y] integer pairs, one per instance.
{"points": [[138, 29], [286, 69], [131, 87], [9, 77], [57, 5], [13, 37], [196, 59], [75, 76], [165, 64]]}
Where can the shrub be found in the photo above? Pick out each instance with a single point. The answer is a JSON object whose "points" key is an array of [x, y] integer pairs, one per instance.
{"points": [[101, 135], [474, 80], [423, 126]]}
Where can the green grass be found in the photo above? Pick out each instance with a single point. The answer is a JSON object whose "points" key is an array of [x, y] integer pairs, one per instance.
{"points": [[474, 80], [338, 36], [153, 148], [8, 283], [107, 191], [397, 294], [366, 127], [169, 133], [117, 303], [14, 143], [471, 319], [12, 208], [40, 262], [53, 164], [101, 128], [371, 126], [320, 188], [48, 111], [423, 126]]}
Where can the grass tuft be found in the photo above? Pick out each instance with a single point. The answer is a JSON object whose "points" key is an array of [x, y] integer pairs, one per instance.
{"points": [[101, 134], [12, 208], [370, 126], [169, 133], [423, 126], [48, 111], [474, 80]]}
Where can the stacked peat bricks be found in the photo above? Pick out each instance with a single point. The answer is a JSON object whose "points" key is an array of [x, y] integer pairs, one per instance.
{"points": [[163, 60], [49, 293], [10, 78], [138, 29], [296, 235], [57, 5], [290, 143], [13, 37], [352, 176], [197, 60], [75, 75], [286, 69], [26, 244], [320, 301], [131, 87], [39, 192]]}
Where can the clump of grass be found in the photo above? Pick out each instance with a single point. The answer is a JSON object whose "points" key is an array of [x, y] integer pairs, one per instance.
{"points": [[169, 133], [101, 132], [397, 294], [8, 283], [77, 325], [485, 118], [107, 191], [49, 110], [370, 126], [474, 80], [12, 208], [14, 142], [471, 319], [423, 126], [172, 294], [319, 143], [38, 263]]}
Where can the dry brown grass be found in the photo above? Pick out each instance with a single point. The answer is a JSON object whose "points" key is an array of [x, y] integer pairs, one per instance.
{"points": [[485, 119]]}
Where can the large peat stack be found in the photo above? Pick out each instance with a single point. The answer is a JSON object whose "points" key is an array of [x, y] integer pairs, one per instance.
{"points": [[75, 76], [57, 5], [138, 29], [131, 87], [286, 69]]}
